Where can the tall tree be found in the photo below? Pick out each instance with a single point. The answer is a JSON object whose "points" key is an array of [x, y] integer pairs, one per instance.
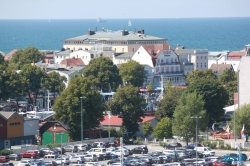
{"points": [[32, 77], [54, 82], [147, 128], [27, 56], [163, 129], [242, 119], [227, 75], [167, 105], [190, 105], [129, 105], [132, 73], [198, 74], [103, 74], [214, 95], [67, 107]]}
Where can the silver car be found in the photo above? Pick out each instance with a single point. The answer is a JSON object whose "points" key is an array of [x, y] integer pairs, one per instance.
{"points": [[71, 148], [77, 159], [90, 157]]}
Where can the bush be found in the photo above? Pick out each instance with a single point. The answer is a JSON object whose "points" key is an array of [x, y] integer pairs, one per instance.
{"points": [[5, 152], [138, 141], [53, 145], [162, 144]]}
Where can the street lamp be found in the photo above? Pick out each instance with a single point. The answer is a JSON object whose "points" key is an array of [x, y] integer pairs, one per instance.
{"points": [[234, 124], [81, 121], [61, 145], [196, 117]]}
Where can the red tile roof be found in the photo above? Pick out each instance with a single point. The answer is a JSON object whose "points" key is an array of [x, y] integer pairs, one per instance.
{"points": [[236, 55], [9, 55], [154, 50], [73, 62], [116, 121]]}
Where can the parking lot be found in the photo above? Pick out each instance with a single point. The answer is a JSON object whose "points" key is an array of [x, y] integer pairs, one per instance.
{"points": [[151, 149]]}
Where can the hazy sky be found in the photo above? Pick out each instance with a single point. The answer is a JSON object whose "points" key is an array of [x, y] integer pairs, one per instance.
{"points": [[89, 9]]}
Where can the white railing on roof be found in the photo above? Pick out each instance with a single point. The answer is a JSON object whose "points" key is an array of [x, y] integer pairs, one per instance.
{"points": [[56, 66]]}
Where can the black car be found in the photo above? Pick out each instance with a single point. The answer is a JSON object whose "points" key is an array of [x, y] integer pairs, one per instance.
{"points": [[50, 163], [116, 160], [15, 157], [172, 146], [140, 150], [58, 149], [157, 160], [192, 146], [192, 154]]}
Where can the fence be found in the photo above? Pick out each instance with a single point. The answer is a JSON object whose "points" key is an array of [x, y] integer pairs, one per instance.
{"points": [[24, 148]]}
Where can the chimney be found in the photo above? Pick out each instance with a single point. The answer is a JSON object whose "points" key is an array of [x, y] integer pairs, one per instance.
{"points": [[123, 33], [142, 31], [89, 32]]}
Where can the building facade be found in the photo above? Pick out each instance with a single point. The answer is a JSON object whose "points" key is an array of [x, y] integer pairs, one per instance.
{"points": [[121, 41]]}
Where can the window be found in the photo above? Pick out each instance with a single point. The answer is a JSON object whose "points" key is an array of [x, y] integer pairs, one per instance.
{"points": [[205, 64], [82, 57], [6, 143], [122, 49], [197, 65], [205, 57], [201, 57], [61, 57], [133, 49], [197, 57], [138, 52], [115, 49], [15, 124], [27, 141], [56, 56], [201, 64]]}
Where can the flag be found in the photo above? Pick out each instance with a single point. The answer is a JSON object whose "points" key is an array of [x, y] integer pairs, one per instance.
{"points": [[243, 128], [213, 126], [109, 115]]}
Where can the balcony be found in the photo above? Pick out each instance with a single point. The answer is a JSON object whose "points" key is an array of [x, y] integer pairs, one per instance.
{"points": [[167, 63], [169, 73]]}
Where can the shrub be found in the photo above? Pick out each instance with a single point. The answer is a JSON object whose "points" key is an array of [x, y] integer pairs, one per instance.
{"points": [[5, 152], [162, 144], [53, 145], [228, 147], [138, 141]]}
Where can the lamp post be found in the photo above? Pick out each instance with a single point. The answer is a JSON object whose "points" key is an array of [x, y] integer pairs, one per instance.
{"points": [[81, 122], [196, 117], [38, 141], [61, 146], [234, 124]]}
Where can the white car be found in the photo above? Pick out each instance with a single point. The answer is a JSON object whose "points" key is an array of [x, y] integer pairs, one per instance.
{"points": [[118, 152], [63, 160], [23, 163], [81, 148]]}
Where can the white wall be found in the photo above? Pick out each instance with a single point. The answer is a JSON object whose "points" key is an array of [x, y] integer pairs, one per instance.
{"points": [[142, 56], [31, 126], [84, 55], [59, 58]]}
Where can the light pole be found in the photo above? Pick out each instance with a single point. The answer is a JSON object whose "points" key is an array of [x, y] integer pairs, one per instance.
{"points": [[61, 146], [234, 124], [38, 141], [196, 117], [81, 122]]}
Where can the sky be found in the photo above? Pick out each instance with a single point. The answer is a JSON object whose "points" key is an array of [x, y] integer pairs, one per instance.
{"points": [[119, 9]]}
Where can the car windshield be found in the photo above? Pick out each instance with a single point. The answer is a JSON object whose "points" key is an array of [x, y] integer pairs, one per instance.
{"points": [[209, 149]]}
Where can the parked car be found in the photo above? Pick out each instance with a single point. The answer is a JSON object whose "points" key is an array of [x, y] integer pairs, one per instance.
{"points": [[41, 153], [50, 163], [15, 157], [77, 159], [109, 156], [113, 161], [71, 148], [90, 157], [30, 154], [49, 151], [64, 161], [192, 146], [7, 164], [4, 159], [59, 150], [81, 147], [172, 146], [88, 146], [139, 150]]}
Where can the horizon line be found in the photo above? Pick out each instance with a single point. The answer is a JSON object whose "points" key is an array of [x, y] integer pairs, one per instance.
{"points": [[118, 18]]}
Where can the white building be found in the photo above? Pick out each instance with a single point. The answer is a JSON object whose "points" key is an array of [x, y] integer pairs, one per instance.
{"points": [[162, 62], [199, 57], [215, 57], [243, 80]]}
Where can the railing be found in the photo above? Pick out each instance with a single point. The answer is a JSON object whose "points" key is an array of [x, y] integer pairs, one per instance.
{"points": [[168, 63], [168, 72]]}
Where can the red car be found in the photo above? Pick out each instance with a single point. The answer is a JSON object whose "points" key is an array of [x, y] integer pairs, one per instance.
{"points": [[30, 154], [4, 159], [218, 163]]}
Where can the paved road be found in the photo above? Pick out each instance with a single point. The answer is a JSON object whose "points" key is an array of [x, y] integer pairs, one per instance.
{"points": [[152, 148]]}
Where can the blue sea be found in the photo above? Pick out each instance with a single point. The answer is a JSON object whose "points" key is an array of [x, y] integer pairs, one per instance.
{"points": [[214, 34]]}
